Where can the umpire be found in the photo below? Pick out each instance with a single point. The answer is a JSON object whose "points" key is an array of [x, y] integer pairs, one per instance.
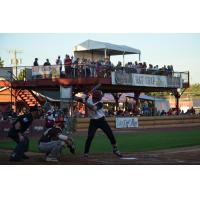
{"points": [[17, 133]]}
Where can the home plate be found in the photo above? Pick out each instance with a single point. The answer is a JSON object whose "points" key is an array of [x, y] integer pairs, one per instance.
{"points": [[128, 158]]}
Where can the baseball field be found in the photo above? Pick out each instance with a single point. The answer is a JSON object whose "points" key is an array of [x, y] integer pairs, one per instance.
{"points": [[147, 146]]}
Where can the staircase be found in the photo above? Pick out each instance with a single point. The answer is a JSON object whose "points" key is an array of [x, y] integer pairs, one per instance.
{"points": [[29, 98]]}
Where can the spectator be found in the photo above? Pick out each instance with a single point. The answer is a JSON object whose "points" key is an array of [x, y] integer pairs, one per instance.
{"points": [[144, 67], [47, 63], [75, 70], [36, 62], [192, 111], [67, 64], [163, 113], [75, 61], [150, 67], [170, 70], [146, 109], [119, 64], [59, 63]]}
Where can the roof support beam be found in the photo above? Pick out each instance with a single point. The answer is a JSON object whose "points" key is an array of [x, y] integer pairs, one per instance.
{"points": [[123, 58], [105, 53]]}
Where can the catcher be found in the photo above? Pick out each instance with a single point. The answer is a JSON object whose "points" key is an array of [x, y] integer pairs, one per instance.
{"points": [[97, 120], [53, 141]]}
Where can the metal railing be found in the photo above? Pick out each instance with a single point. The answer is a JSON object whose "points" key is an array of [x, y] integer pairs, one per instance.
{"points": [[83, 71]]}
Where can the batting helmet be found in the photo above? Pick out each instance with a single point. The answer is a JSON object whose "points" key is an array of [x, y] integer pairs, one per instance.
{"points": [[97, 95]]}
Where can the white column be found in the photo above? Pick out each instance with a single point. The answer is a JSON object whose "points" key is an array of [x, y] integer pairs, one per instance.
{"points": [[123, 59], [105, 53]]}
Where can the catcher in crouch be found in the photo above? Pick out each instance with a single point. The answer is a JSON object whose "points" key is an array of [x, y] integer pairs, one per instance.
{"points": [[52, 142], [97, 120]]}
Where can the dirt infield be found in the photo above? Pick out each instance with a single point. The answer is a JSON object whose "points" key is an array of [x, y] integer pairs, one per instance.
{"points": [[177, 156]]}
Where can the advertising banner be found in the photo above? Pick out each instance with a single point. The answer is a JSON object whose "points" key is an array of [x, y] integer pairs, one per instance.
{"points": [[46, 72], [149, 80], [174, 82], [123, 78], [126, 122]]}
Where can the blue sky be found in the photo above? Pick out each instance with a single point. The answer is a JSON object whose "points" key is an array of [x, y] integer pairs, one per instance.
{"points": [[180, 50]]}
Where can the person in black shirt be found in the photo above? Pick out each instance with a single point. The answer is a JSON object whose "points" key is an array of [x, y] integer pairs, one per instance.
{"points": [[36, 62], [19, 126], [47, 63]]}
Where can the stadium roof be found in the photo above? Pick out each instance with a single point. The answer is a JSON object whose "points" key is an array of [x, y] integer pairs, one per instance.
{"points": [[100, 47]]}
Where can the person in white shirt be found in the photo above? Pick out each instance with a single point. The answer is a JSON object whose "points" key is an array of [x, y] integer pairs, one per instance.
{"points": [[59, 63], [97, 120]]}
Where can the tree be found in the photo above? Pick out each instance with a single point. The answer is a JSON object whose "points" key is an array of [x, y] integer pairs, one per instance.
{"points": [[193, 90], [21, 75], [1, 62]]}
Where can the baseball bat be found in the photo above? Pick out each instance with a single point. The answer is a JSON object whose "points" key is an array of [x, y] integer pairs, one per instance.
{"points": [[94, 88]]}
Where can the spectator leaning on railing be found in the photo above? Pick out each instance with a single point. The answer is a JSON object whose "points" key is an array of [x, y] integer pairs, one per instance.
{"points": [[75, 67], [59, 63], [67, 64], [36, 62], [47, 63]]}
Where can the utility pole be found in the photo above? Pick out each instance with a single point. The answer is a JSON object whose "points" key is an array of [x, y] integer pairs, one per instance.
{"points": [[14, 62]]}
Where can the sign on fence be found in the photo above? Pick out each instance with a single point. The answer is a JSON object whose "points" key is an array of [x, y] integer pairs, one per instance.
{"points": [[147, 80], [46, 71], [126, 122]]}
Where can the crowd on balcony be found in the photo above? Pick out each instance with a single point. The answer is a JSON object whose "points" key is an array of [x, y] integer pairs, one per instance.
{"points": [[141, 68], [76, 67]]}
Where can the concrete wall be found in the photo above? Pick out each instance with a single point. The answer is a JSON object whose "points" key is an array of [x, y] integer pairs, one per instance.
{"points": [[147, 122]]}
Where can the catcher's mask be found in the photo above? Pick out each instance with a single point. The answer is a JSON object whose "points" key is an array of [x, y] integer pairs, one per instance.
{"points": [[97, 95]]}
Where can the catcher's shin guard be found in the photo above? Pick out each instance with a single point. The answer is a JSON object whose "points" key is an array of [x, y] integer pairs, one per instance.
{"points": [[71, 146], [20, 149]]}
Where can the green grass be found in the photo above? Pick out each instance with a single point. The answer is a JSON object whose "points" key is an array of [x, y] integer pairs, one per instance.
{"points": [[129, 142]]}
